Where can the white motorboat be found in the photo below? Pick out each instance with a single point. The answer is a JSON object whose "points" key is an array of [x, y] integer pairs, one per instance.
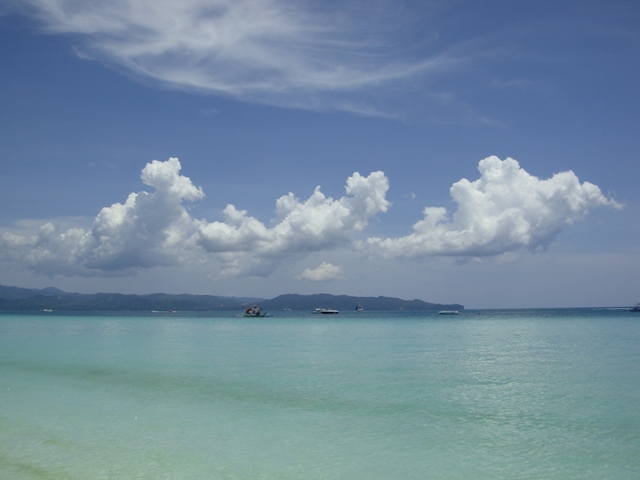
{"points": [[325, 311]]}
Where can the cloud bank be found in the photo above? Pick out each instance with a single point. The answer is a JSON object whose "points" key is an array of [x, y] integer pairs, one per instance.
{"points": [[294, 54], [505, 210], [319, 223], [145, 231]]}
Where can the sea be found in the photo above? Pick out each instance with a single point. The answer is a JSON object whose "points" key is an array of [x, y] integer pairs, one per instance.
{"points": [[486, 394]]}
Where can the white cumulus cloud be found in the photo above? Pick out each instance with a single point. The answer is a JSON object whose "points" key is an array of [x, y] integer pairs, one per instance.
{"points": [[323, 272], [154, 228], [147, 230], [318, 223], [505, 210]]}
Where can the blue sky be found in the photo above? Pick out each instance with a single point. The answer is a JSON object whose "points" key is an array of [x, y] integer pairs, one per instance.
{"points": [[484, 153]]}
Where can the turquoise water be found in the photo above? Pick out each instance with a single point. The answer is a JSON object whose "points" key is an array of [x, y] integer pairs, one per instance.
{"points": [[517, 394]]}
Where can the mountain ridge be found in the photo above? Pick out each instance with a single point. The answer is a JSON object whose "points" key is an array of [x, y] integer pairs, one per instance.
{"points": [[34, 299]]}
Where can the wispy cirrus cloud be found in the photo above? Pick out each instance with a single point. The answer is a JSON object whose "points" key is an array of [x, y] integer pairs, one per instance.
{"points": [[292, 54]]}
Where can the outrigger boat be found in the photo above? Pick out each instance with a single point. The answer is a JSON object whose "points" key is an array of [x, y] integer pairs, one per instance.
{"points": [[254, 312]]}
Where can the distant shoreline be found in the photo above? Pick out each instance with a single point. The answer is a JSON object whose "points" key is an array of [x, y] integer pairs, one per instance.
{"points": [[52, 299]]}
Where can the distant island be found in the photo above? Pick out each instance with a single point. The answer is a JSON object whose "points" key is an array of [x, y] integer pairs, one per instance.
{"points": [[45, 299]]}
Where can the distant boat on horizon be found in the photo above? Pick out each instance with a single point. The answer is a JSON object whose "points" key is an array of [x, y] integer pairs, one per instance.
{"points": [[448, 312], [254, 312], [325, 311], [359, 308]]}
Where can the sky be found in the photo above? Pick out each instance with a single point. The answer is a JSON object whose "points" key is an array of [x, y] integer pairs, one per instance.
{"points": [[482, 153]]}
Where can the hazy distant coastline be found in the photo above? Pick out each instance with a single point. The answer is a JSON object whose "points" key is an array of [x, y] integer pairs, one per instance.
{"points": [[32, 299]]}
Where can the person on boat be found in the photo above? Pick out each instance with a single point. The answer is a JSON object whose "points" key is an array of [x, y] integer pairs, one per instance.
{"points": [[256, 310], [248, 310]]}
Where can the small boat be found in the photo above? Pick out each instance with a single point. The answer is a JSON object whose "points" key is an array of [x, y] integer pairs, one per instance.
{"points": [[254, 312], [359, 308], [325, 311], [448, 312], [635, 308]]}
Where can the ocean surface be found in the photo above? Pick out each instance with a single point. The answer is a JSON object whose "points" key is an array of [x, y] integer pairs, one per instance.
{"points": [[504, 394]]}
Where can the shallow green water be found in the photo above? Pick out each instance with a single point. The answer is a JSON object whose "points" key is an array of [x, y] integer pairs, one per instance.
{"points": [[486, 394]]}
